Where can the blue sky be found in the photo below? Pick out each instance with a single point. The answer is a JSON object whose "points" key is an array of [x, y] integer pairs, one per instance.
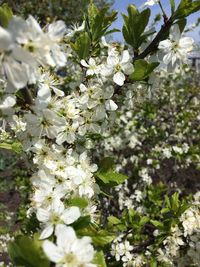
{"points": [[121, 5]]}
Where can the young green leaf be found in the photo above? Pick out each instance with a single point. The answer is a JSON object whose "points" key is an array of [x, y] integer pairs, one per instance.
{"points": [[185, 8], [107, 173], [134, 26], [82, 45], [79, 202], [142, 70], [172, 2], [27, 252], [5, 15], [99, 259]]}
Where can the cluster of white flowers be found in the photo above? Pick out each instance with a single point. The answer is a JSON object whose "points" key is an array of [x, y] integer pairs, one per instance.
{"points": [[187, 237], [4, 240], [55, 128], [123, 251]]}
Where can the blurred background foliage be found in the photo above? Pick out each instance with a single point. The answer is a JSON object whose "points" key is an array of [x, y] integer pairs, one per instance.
{"points": [[71, 11]]}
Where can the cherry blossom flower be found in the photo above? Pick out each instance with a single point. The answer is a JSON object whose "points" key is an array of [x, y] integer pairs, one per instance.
{"points": [[69, 250]]}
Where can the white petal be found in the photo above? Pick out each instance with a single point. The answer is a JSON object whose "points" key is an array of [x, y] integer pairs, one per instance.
{"points": [[100, 112], [57, 30], [112, 60], [5, 39], [65, 236], [107, 70], [44, 93], [43, 215], [70, 215], [110, 105], [92, 61], [127, 68], [186, 43], [175, 33], [16, 73], [82, 87], [84, 63], [165, 45], [22, 55], [8, 102], [61, 138], [95, 128], [58, 56], [119, 78], [33, 24], [125, 56], [89, 72], [52, 251], [58, 206], [47, 232], [168, 58], [57, 91]]}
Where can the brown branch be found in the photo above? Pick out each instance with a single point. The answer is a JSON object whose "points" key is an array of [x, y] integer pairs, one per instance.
{"points": [[154, 44], [27, 96]]}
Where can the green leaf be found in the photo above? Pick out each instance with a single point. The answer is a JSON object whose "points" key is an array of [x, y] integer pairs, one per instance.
{"points": [[143, 220], [5, 15], [142, 70], [185, 8], [99, 237], [82, 222], [175, 202], [79, 202], [82, 45], [113, 220], [182, 23], [107, 173], [99, 259], [27, 252], [134, 26], [153, 263], [106, 164], [15, 146], [92, 11], [172, 2], [103, 238], [98, 21], [158, 224], [111, 176], [112, 31]]}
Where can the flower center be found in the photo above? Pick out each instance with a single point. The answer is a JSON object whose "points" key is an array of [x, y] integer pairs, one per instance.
{"points": [[117, 67], [71, 259]]}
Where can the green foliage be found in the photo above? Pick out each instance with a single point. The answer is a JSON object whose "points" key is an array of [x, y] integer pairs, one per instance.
{"points": [[97, 23], [107, 174], [5, 15], [100, 237], [172, 2], [186, 8], [82, 222], [79, 202], [99, 259], [15, 146], [134, 26], [82, 45], [182, 23], [69, 11], [27, 252], [142, 70]]}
